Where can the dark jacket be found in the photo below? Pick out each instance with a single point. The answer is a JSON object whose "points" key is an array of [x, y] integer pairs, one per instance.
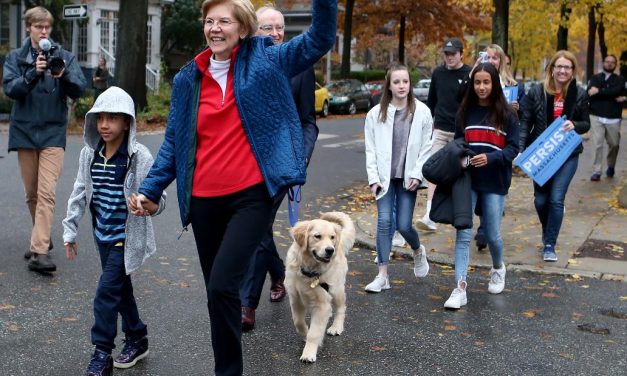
{"points": [[303, 92], [604, 103], [451, 203], [272, 126], [39, 113], [444, 98], [537, 113]]}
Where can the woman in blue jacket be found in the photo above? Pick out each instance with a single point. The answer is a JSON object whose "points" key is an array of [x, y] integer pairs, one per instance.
{"points": [[233, 140]]}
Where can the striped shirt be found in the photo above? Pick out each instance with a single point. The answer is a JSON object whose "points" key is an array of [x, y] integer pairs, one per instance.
{"points": [[108, 204]]}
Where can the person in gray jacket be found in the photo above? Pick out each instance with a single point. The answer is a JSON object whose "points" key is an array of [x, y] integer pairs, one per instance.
{"points": [[38, 124], [112, 165]]}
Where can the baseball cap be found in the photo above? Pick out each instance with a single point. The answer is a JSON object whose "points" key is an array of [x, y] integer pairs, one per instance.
{"points": [[453, 45]]}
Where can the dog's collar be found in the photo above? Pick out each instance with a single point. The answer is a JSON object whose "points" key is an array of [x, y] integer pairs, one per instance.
{"points": [[316, 279], [309, 273]]}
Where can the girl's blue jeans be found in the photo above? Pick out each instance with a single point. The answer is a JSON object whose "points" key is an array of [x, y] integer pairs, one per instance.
{"points": [[492, 205], [404, 201]]}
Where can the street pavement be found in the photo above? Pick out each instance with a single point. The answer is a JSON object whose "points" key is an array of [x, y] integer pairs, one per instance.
{"points": [[541, 324], [592, 241]]}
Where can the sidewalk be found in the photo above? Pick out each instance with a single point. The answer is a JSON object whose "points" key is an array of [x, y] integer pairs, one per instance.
{"points": [[592, 241]]}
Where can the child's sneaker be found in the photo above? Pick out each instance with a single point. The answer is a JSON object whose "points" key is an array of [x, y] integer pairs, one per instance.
{"points": [[398, 240], [425, 223], [497, 280], [421, 265], [133, 351], [101, 364], [458, 297], [379, 283]]}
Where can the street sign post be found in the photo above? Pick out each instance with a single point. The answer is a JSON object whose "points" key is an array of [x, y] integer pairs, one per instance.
{"points": [[74, 12]]}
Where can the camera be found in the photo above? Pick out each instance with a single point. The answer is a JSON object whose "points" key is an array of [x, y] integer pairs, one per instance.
{"points": [[483, 57], [55, 63]]}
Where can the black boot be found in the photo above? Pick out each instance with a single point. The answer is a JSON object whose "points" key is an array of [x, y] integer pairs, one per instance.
{"points": [[41, 263], [28, 254]]}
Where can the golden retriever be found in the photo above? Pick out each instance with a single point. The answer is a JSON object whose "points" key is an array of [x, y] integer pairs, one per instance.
{"points": [[315, 275]]}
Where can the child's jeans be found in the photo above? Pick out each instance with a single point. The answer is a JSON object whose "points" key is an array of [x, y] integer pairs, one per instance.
{"points": [[114, 295]]}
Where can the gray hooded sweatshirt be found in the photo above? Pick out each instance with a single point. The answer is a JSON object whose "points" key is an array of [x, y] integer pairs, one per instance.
{"points": [[140, 237]]}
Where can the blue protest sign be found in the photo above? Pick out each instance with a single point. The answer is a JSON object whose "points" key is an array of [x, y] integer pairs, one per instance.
{"points": [[548, 152], [510, 93]]}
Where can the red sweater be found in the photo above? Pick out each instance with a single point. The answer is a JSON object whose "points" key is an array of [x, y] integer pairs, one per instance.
{"points": [[225, 162]]}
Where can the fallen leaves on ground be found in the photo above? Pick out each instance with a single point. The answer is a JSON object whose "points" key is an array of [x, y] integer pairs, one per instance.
{"points": [[531, 313]]}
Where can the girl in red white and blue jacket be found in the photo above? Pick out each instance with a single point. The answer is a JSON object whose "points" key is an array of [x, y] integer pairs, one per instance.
{"points": [[490, 127]]}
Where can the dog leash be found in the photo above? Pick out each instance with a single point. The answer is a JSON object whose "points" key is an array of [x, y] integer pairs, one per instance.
{"points": [[293, 201]]}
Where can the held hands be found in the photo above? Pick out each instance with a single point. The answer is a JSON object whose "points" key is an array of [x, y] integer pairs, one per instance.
{"points": [[141, 206], [568, 126], [71, 250], [375, 188], [413, 184]]}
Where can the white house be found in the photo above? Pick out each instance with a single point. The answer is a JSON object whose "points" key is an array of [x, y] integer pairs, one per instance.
{"points": [[94, 33]]}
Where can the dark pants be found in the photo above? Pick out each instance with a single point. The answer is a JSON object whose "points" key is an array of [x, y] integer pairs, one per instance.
{"points": [[227, 230], [114, 295], [265, 259]]}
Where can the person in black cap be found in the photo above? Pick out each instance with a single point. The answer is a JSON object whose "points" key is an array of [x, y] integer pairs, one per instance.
{"points": [[443, 101]]}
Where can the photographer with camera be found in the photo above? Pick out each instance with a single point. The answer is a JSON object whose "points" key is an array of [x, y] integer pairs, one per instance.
{"points": [[39, 76]]}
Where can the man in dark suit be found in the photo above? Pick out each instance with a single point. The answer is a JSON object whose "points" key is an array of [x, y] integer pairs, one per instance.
{"points": [[266, 258]]}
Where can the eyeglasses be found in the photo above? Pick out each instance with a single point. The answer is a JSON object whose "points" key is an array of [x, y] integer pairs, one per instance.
{"points": [[563, 67], [42, 27], [222, 22], [269, 28]]}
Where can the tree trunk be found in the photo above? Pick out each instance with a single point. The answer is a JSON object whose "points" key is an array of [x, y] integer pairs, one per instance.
{"points": [[562, 31], [130, 57], [592, 28], [602, 45], [500, 23], [401, 41], [345, 70]]}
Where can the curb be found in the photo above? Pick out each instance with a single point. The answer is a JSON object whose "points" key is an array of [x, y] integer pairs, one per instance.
{"points": [[362, 241]]}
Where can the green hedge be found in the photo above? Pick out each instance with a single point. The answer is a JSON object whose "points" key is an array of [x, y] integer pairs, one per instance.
{"points": [[5, 103]]}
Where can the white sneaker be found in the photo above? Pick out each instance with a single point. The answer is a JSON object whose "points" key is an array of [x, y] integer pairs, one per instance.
{"points": [[458, 297], [425, 223], [379, 283], [398, 240], [497, 280], [421, 265]]}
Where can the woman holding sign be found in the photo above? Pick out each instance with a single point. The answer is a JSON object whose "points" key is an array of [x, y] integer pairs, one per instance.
{"points": [[559, 95], [490, 127]]}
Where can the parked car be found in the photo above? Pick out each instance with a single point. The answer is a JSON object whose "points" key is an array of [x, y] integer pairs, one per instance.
{"points": [[421, 90], [348, 96], [322, 100], [375, 87]]}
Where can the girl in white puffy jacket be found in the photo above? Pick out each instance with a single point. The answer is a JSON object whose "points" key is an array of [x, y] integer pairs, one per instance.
{"points": [[398, 141]]}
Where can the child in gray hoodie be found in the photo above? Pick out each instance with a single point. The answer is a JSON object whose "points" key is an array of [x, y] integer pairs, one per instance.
{"points": [[112, 165]]}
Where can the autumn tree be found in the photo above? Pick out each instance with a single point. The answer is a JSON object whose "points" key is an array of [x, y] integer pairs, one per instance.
{"points": [[130, 58], [346, 46], [419, 22], [562, 31]]}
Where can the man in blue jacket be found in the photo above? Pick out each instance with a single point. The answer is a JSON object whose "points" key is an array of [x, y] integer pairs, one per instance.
{"points": [[38, 124], [266, 257]]}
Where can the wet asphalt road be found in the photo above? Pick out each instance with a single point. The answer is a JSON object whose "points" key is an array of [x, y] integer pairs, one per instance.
{"points": [[530, 329]]}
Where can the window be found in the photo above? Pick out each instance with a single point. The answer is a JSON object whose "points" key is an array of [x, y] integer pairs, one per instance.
{"points": [[81, 41], [149, 42], [4, 24], [108, 30]]}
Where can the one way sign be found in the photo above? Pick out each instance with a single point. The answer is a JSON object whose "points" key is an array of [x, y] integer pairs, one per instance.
{"points": [[74, 11]]}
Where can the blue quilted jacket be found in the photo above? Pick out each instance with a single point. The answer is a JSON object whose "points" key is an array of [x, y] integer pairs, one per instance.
{"points": [[261, 81]]}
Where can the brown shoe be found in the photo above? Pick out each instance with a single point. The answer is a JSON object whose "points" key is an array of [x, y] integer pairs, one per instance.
{"points": [[248, 319], [277, 291]]}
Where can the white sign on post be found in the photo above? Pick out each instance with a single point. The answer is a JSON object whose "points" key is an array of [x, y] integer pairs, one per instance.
{"points": [[74, 12]]}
